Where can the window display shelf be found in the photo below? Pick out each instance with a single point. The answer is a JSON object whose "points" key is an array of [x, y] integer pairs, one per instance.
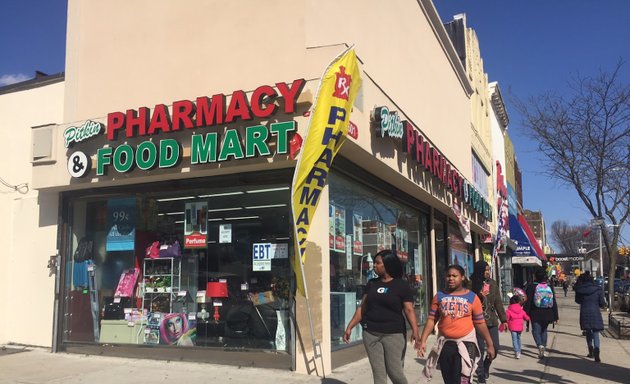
{"points": [[160, 289]]}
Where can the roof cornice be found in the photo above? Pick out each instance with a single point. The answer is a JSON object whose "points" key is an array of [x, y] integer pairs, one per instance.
{"points": [[440, 32]]}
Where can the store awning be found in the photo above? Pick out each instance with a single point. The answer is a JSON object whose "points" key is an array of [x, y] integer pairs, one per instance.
{"points": [[524, 246], [532, 239], [527, 260]]}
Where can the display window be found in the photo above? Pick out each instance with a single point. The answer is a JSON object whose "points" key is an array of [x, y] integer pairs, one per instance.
{"points": [[441, 248], [362, 223], [461, 253], [194, 263]]}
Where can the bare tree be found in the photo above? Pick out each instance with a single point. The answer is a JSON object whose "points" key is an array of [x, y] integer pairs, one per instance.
{"points": [[570, 238], [586, 138]]}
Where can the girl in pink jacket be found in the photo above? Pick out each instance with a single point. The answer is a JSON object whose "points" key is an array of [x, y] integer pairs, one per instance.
{"points": [[515, 316]]}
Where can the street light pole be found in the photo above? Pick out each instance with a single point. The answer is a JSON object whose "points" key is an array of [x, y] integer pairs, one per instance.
{"points": [[601, 259]]}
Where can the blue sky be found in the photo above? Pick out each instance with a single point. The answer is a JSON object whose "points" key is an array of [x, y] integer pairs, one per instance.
{"points": [[535, 46], [529, 47]]}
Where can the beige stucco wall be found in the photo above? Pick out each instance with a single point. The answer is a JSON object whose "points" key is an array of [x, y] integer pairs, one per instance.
{"points": [[123, 55], [29, 232]]}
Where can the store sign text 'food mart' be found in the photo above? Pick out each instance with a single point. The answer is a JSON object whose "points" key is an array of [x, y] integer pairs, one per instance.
{"points": [[208, 148]]}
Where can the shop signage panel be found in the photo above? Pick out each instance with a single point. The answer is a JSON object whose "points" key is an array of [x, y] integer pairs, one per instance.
{"points": [[262, 254], [527, 260], [569, 258], [225, 233], [196, 225], [121, 224], [202, 113], [357, 229], [428, 158]]}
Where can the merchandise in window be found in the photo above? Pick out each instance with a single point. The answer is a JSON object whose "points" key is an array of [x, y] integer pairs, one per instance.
{"points": [[362, 223], [191, 266]]}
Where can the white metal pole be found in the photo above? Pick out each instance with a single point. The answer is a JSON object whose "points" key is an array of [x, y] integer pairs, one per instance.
{"points": [[601, 263]]}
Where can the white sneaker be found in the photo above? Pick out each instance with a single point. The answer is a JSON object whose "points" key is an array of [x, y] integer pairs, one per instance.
{"points": [[541, 352], [517, 355], [545, 353]]}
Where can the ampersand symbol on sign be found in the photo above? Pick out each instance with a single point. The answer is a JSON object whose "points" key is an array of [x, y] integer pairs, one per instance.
{"points": [[77, 164]]}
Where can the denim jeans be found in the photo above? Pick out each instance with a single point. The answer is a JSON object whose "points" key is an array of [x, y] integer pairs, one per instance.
{"points": [[539, 331], [592, 338], [516, 341]]}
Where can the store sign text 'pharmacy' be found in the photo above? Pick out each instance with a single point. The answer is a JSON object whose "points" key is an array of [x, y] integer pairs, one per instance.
{"points": [[203, 112], [387, 123]]}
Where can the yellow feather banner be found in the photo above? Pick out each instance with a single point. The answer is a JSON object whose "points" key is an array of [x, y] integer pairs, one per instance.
{"points": [[327, 130]]}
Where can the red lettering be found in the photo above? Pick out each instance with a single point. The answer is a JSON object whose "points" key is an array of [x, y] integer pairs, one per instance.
{"points": [[409, 139], [258, 102], [137, 120], [436, 162], [428, 162], [160, 120], [209, 114], [449, 176], [183, 112], [290, 95], [115, 121], [238, 108], [420, 149]]}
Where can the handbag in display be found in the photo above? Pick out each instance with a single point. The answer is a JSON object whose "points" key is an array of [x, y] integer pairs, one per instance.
{"points": [[171, 250], [84, 250], [153, 250], [127, 283], [114, 308]]}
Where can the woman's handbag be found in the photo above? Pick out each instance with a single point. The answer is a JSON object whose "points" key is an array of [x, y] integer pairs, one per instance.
{"points": [[171, 250], [153, 250]]}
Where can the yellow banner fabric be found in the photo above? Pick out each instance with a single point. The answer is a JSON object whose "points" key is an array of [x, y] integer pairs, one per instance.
{"points": [[328, 127]]}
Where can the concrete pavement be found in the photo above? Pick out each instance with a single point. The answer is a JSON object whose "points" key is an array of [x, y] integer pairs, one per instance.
{"points": [[567, 363]]}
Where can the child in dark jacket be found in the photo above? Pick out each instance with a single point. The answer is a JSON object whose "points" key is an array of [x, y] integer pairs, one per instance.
{"points": [[515, 316]]}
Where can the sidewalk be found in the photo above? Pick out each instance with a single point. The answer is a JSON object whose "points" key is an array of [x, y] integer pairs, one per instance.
{"points": [[567, 363]]}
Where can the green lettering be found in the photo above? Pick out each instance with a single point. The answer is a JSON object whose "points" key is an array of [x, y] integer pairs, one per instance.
{"points": [[169, 153], [146, 155], [231, 146], [255, 140], [123, 158], [203, 151], [103, 158], [282, 129]]}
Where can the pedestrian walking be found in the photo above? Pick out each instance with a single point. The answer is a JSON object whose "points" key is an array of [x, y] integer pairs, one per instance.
{"points": [[565, 287], [590, 296], [381, 316], [515, 317], [542, 308], [488, 292], [459, 317]]}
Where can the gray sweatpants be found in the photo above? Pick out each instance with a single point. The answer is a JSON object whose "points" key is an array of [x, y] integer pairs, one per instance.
{"points": [[386, 352]]}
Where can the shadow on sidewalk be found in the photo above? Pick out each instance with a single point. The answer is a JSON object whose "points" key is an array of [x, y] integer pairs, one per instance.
{"points": [[527, 376], [587, 367]]}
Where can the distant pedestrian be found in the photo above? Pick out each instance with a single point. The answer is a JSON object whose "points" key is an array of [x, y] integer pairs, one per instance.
{"points": [[387, 298], [515, 317], [590, 296], [565, 287], [488, 292], [542, 308], [458, 314]]}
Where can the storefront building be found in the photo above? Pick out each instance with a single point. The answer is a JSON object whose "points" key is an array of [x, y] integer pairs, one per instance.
{"points": [[173, 163]]}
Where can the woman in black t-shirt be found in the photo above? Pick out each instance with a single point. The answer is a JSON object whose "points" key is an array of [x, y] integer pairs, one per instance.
{"points": [[382, 319]]}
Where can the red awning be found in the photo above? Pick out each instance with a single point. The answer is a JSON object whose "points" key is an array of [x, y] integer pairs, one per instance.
{"points": [[532, 239]]}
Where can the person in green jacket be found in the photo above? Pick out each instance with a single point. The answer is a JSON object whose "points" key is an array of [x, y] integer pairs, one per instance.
{"points": [[493, 311]]}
